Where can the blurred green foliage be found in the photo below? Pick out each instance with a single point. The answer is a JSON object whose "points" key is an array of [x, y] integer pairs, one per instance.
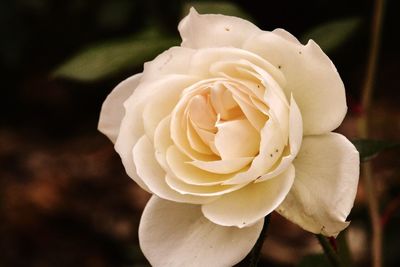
{"points": [[106, 59], [369, 149], [333, 34]]}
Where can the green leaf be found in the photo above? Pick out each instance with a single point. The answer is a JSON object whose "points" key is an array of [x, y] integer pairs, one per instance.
{"points": [[369, 149], [107, 59], [315, 260], [330, 36], [222, 7]]}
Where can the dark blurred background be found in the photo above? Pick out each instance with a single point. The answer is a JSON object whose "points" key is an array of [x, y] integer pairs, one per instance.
{"points": [[65, 199]]}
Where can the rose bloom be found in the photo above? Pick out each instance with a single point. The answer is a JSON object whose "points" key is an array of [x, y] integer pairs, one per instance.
{"points": [[223, 130]]}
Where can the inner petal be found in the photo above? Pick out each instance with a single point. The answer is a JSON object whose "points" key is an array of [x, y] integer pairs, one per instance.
{"points": [[201, 113], [195, 140], [223, 102], [237, 138]]}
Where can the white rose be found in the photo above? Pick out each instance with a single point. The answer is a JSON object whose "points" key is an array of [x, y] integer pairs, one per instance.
{"points": [[226, 128]]}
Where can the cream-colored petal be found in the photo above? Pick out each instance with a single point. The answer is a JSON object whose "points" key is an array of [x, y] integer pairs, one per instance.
{"points": [[295, 138], [200, 190], [132, 125], [271, 146], [195, 140], [175, 60], [223, 103], [173, 234], [161, 104], [130, 132], [255, 116], [327, 171], [162, 141], [207, 137], [179, 166], [286, 35], [213, 62], [222, 166], [295, 127], [251, 203], [153, 175], [201, 114], [199, 31], [112, 110], [179, 123], [237, 139], [311, 77]]}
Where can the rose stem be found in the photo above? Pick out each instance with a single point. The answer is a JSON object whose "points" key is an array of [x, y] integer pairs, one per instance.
{"points": [[256, 251], [376, 29], [329, 250]]}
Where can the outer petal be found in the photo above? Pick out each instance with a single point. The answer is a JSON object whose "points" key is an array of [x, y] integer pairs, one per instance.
{"points": [[175, 60], [112, 110], [199, 31], [311, 77], [132, 127], [327, 171], [153, 175], [251, 203], [173, 234]]}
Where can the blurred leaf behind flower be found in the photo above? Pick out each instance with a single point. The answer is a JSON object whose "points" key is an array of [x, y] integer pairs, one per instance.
{"points": [[332, 35], [369, 149], [104, 60]]}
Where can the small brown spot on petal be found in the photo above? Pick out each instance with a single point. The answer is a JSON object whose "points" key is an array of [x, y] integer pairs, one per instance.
{"points": [[227, 29]]}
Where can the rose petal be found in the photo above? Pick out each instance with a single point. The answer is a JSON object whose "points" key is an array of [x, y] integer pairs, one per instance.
{"points": [[212, 62], [237, 139], [195, 141], [311, 77], [327, 170], [132, 127], [222, 166], [223, 102], [209, 30], [162, 141], [251, 203], [175, 60], [179, 122], [286, 35], [295, 138], [180, 167], [161, 104], [112, 110], [200, 190], [201, 113], [173, 234], [271, 146], [153, 175], [255, 117]]}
